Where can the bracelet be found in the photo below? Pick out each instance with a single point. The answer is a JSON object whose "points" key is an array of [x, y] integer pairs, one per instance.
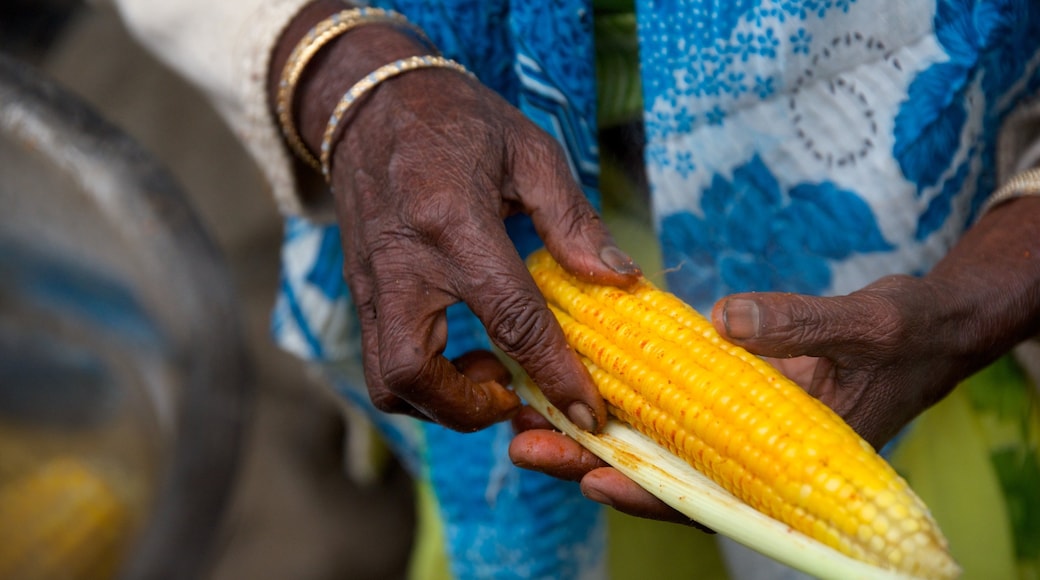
{"points": [[1020, 185], [304, 51], [368, 83]]}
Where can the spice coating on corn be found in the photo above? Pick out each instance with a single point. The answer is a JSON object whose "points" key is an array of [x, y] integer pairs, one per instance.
{"points": [[663, 369]]}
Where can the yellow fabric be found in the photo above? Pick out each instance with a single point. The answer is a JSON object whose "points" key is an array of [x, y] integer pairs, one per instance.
{"points": [[639, 549], [429, 560]]}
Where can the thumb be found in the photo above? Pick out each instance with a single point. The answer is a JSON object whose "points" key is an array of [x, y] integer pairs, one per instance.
{"points": [[784, 325]]}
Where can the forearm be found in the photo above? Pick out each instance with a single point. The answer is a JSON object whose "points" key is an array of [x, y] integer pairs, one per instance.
{"points": [[991, 279]]}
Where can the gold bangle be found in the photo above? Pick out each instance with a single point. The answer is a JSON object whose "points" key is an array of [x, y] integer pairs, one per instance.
{"points": [[1020, 185], [304, 51], [366, 84]]}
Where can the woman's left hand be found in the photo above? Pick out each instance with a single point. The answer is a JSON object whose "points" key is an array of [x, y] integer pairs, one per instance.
{"points": [[879, 356]]}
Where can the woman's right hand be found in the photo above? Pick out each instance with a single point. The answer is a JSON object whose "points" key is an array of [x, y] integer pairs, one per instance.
{"points": [[423, 173]]}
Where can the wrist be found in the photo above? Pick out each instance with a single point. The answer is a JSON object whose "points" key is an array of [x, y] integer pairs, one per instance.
{"points": [[341, 66], [990, 281], [322, 66]]}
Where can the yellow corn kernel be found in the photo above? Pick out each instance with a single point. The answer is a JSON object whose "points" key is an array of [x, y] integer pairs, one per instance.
{"points": [[663, 369], [61, 521]]}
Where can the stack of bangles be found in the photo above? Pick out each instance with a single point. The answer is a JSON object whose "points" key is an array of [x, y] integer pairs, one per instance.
{"points": [[308, 47], [1026, 183]]}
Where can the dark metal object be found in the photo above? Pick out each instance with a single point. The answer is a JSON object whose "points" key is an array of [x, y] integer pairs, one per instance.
{"points": [[108, 277], [28, 28]]}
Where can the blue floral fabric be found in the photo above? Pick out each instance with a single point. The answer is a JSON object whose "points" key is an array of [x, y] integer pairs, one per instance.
{"points": [[990, 46], [780, 240], [797, 145], [817, 145]]}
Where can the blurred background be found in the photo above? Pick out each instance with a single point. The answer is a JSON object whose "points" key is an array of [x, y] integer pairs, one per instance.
{"points": [[260, 484], [291, 511]]}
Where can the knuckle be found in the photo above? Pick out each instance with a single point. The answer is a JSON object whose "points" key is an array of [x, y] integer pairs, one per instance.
{"points": [[795, 319], [869, 324], [405, 375], [535, 146], [579, 218], [891, 313], [889, 328], [385, 402], [435, 218], [518, 324]]}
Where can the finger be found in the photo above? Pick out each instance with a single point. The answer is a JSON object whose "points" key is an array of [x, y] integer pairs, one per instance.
{"points": [[786, 325], [608, 486], [552, 453], [529, 418], [421, 376], [481, 366], [382, 398], [358, 274], [433, 385], [496, 285], [565, 220], [413, 333]]}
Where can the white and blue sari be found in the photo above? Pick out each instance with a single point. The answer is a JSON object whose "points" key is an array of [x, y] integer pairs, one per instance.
{"points": [[808, 146]]}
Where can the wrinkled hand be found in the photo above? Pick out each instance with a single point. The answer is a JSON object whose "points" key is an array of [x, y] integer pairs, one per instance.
{"points": [[424, 169], [428, 169], [879, 357]]}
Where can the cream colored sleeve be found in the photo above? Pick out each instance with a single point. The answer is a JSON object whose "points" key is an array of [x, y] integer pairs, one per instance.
{"points": [[223, 48], [1018, 149]]}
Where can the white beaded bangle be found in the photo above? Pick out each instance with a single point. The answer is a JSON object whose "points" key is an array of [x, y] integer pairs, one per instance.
{"points": [[366, 84], [1023, 184]]}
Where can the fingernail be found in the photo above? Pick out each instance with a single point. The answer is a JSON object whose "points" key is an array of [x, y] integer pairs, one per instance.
{"points": [[596, 496], [581, 415], [741, 318], [618, 261]]}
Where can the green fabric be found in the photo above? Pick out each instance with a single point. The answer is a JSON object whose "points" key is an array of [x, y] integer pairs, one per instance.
{"points": [[628, 6], [619, 89]]}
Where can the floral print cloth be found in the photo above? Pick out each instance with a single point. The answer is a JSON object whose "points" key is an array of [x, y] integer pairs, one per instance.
{"points": [[799, 145], [817, 145]]}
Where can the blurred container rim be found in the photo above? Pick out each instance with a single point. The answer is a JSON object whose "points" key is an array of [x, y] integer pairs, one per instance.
{"points": [[199, 314]]}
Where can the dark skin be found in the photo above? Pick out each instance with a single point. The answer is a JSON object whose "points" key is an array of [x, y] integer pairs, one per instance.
{"points": [[879, 356], [429, 164], [425, 170]]}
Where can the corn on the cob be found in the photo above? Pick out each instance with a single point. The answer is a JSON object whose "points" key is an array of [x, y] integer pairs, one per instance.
{"points": [[61, 520], [664, 370]]}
